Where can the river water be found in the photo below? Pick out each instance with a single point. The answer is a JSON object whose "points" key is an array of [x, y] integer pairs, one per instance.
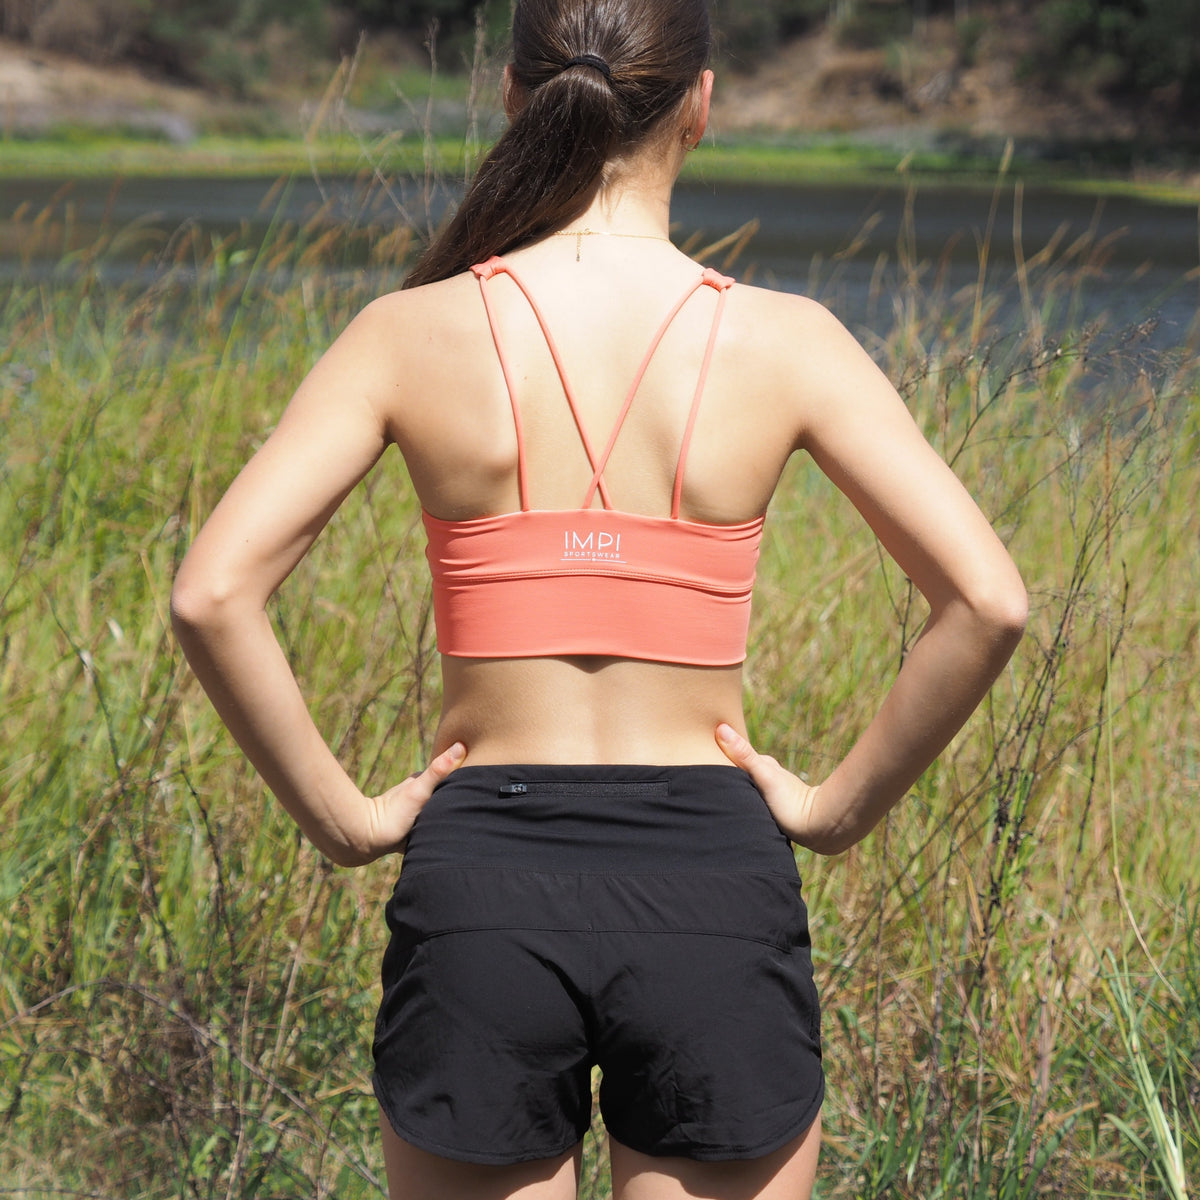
{"points": [[863, 250]]}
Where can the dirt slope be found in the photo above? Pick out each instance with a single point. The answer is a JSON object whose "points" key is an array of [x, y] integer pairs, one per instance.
{"points": [[913, 91], [927, 83], [40, 90]]}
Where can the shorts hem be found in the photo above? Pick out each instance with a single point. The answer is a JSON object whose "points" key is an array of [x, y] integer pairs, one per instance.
{"points": [[483, 1158], [739, 1151]]}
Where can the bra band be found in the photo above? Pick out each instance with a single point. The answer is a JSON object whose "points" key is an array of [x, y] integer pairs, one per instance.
{"points": [[594, 580], [590, 60]]}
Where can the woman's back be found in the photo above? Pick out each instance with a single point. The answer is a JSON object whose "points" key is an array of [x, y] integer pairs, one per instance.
{"points": [[602, 313]]}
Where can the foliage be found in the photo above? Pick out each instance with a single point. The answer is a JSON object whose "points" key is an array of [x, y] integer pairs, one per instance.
{"points": [[748, 28], [416, 14], [1131, 47], [221, 43], [1009, 966], [1126, 45]]}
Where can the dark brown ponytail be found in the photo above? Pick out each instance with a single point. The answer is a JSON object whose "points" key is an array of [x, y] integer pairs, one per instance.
{"points": [[546, 168]]}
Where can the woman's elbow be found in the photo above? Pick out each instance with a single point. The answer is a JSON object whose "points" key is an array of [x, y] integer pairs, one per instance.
{"points": [[191, 616], [198, 600], [1002, 608]]}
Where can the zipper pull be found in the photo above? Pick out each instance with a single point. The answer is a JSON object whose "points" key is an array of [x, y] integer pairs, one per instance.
{"points": [[514, 789]]}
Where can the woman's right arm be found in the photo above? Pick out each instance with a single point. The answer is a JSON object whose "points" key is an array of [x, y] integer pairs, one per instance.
{"points": [[331, 434], [858, 431]]}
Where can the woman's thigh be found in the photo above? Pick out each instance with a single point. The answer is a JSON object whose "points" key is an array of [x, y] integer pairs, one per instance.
{"points": [[787, 1174], [415, 1174]]}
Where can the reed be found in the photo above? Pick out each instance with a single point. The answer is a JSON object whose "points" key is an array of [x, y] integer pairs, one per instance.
{"points": [[1009, 966]]}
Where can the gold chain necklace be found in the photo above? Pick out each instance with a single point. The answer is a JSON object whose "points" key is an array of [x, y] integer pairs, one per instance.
{"points": [[580, 234]]}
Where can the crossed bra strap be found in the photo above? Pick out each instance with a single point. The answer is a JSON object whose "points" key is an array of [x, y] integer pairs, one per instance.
{"points": [[709, 278]]}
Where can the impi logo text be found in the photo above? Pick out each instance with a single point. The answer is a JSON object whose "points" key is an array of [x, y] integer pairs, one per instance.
{"points": [[596, 544]]}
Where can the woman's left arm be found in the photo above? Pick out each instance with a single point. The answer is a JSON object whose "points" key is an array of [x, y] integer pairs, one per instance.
{"points": [[330, 436], [860, 434]]}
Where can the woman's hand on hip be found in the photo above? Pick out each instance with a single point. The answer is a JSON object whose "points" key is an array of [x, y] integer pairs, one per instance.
{"points": [[394, 811], [790, 799]]}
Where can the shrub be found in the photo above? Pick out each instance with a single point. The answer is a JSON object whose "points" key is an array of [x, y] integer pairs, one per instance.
{"points": [[101, 30]]}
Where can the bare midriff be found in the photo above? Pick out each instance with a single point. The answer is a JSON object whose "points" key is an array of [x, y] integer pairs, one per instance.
{"points": [[587, 710]]}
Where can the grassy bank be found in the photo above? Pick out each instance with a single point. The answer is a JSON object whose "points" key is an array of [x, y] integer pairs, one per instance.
{"points": [[1009, 967], [76, 153]]}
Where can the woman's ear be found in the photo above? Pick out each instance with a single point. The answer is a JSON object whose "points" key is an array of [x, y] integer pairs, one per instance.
{"points": [[514, 93], [704, 90], [695, 110]]}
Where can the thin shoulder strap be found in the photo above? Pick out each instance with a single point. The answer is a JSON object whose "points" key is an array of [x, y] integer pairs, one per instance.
{"points": [[722, 283], [484, 272], [496, 266], [710, 278], [598, 475]]}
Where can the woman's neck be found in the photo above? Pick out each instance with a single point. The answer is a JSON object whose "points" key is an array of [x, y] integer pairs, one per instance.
{"points": [[636, 200]]}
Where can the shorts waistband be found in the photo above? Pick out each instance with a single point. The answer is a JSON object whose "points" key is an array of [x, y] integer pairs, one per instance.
{"points": [[600, 818], [600, 772]]}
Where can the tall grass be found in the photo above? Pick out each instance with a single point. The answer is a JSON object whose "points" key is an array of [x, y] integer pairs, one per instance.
{"points": [[1010, 967]]}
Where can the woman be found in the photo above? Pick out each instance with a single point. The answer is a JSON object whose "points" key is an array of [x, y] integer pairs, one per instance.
{"points": [[633, 899]]}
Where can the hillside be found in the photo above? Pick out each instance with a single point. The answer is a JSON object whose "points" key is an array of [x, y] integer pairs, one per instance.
{"points": [[816, 84], [915, 93]]}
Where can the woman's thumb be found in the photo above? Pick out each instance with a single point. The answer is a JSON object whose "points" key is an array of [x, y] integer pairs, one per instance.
{"points": [[441, 766], [736, 748], [448, 760]]}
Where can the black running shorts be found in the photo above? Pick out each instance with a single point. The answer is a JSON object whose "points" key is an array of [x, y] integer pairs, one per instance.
{"points": [[645, 919]]}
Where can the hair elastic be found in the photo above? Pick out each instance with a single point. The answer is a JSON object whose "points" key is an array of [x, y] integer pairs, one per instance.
{"points": [[590, 60]]}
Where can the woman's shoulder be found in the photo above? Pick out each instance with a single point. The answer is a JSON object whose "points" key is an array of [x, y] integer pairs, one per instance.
{"points": [[782, 309], [430, 302], [406, 329], [792, 331], [409, 349]]}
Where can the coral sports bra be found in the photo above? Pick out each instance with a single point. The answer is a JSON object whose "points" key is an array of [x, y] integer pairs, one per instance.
{"points": [[594, 580]]}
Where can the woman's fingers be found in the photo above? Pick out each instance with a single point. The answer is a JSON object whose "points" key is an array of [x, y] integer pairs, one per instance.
{"points": [[395, 811], [786, 796]]}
